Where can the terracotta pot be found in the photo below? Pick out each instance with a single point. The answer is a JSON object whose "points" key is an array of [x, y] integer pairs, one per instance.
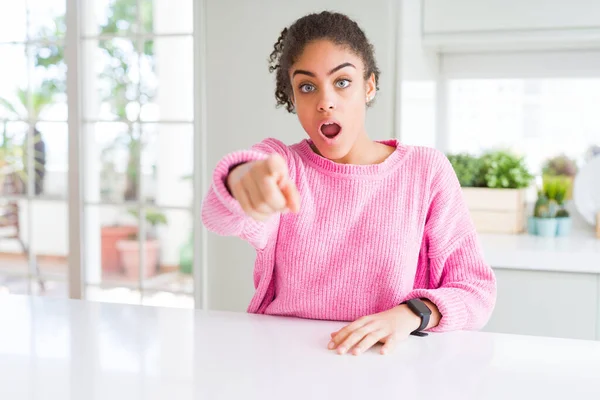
{"points": [[110, 235], [129, 252]]}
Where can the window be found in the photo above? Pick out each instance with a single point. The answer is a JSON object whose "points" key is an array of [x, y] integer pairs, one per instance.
{"points": [[137, 149], [538, 118]]}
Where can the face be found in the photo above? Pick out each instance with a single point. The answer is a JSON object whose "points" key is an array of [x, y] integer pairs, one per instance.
{"points": [[330, 96]]}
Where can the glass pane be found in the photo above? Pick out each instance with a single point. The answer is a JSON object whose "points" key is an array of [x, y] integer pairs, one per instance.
{"points": [[167, 16], [50, 239], [111, 157], [110, 232], [13, 244], [46, 18], [541, 118], [170, 233], [111, 90], [49, 97], [168, 164], [167, 80], [13, 161], [109, 17], [13, 82], [13, 22], [51, 152]]}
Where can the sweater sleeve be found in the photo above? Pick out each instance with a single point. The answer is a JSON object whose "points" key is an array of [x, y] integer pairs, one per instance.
{"points": [[452, 272], [221, 212]]}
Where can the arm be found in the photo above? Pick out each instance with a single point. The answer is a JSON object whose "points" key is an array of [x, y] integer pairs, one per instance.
{"points": [[452, 273], [222, 213]]}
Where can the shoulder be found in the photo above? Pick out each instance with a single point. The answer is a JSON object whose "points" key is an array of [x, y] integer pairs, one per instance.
{"points": [[272, 145], [429, 162], [275, 146]]}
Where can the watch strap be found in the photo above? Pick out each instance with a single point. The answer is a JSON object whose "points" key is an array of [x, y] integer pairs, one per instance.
{"points": [[424, 317]]}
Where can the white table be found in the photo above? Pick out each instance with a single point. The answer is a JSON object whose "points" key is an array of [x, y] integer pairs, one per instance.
{"points": [[65, 349]]}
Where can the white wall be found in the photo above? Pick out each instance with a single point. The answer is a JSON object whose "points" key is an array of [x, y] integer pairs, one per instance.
{"points": [[419, 71], [501, 15], [241, 103], [504, 25]]}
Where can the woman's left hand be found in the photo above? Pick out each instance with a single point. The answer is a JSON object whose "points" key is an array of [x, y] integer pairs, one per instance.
{"points": [[387, 327]]}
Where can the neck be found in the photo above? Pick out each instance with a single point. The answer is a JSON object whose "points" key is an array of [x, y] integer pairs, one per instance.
{"points": [[364, 152]]}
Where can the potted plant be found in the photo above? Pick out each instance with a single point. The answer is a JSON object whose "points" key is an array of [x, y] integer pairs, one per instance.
{"points": [[550, 217], [494, 189], [558, 189], [129, 249], [467, 169], [561, 166], [110, 235], [545, 223]]}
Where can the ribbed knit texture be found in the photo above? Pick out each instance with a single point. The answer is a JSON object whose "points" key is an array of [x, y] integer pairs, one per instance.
{"points": [[367, 238]]}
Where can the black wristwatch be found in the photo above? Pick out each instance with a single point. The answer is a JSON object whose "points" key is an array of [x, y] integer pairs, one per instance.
{"points": [[419, 307]]}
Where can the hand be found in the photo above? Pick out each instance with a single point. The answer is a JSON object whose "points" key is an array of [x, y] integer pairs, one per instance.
{"points": [[264, 188], [387, 327]]}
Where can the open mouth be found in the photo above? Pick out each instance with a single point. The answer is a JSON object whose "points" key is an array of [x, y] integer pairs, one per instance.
{"points": [[330, 130]]}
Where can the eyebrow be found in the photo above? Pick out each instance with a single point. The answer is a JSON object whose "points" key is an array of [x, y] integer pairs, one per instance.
{"points": [[303, 72]]}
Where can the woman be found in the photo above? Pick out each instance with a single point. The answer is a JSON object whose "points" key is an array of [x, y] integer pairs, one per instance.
{"points": [[346, 228]]}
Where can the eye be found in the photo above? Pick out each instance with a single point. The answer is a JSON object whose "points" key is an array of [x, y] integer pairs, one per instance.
{"points": [[307, 88], [343, 83]]}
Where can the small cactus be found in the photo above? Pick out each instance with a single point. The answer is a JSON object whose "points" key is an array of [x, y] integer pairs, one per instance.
{"points": [[562, 213], [541, 206], [553, 207]]}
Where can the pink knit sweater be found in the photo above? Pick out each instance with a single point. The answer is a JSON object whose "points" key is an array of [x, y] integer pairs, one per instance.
{"points": [[367, 238]]}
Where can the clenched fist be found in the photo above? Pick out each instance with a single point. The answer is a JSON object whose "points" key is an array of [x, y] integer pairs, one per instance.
{"points": [[264, 188]]}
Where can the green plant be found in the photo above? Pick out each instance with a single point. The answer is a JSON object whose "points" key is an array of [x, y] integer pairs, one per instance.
{"points": [[29, 105], [11, 156], [502, 169], [560, 166], [467, 169], [13, 159], [550, 201], [153, 217], [542, 206], [556, 188]]}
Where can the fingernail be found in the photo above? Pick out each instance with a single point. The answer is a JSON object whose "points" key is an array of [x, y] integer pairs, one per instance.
{"points": [[342, 350], [384, 351], [356, 352], [331, 345]]}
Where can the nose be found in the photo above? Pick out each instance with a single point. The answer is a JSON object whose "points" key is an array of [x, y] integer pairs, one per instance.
{"points": [[326, 103]]}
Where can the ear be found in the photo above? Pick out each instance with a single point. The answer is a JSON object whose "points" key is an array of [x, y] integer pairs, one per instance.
{"points": [[371, 88]]}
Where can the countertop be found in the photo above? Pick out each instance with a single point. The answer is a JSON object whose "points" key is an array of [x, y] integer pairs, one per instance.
{"points": [[578, 252], [69, 349]]}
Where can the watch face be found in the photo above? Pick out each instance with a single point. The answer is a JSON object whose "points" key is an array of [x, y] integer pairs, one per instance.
{"points": [[419, 307]]}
